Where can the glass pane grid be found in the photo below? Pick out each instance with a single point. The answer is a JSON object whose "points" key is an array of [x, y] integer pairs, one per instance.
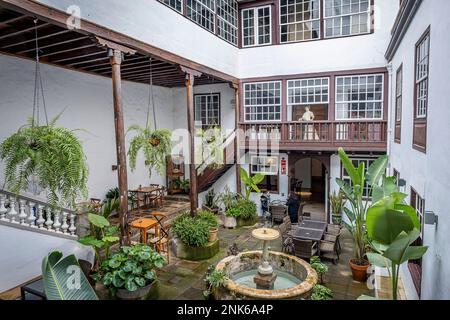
{"points": [[346, 17], [267, 165], [207, 109], [422, 65], [202, 12], [175, 4], [299, 20], [308, 91], [359, 97], [262, 101], [227, 13]]}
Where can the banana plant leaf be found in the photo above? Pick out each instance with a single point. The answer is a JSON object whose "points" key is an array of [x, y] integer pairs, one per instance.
{"points": [[377, 170], [64, 279]]}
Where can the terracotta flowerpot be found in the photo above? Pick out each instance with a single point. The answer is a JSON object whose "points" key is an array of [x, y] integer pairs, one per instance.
{"points": [[230, 222], [359, 269], [213, 234], [140, 293]]}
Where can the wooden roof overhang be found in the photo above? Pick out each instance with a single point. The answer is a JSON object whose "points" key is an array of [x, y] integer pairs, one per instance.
{"points": [[84, 50]]}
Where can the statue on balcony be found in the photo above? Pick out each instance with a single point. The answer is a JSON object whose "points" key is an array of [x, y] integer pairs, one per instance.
{"points": [[309, 130]]}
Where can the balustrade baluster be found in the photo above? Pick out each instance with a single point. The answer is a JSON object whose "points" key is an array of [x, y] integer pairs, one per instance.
{"points": [[12, 213], [49, 221], [22, 213], [31, 217], [3, 209], [72, 227], [64, 225], [57, 223], [40, 221]]}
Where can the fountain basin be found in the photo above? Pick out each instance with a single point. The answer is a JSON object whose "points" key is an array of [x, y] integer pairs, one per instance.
{"points": [[296, 276]]}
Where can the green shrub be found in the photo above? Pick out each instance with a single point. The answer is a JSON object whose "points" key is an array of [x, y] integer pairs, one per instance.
{"points": [[321, 293], [233, 212], [208, 217], [247, 209], [193, 232]]}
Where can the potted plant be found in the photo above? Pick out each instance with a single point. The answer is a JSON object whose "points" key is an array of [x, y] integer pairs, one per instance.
{"points": [[320, 267], [211, 219], [211, 202], [230, 217], [174, 186], [358, 200], [247, 213], [52, 155], [251, 183], [392, 227], [185, 185], [192, 235], [337, 202], [130, 273], [321, 293], [155, 144], [214, 280]]}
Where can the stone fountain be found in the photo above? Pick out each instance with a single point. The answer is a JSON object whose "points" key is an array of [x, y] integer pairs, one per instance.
{"points": [[265, 278]]}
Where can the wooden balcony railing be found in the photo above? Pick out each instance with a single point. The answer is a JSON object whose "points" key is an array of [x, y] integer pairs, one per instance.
{"points": [[320, 135]]}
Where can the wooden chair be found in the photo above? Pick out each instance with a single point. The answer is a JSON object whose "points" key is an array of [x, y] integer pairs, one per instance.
{"points": [[329, 249], [162, 242], [305, 249], [333, 232], [278, 213]]}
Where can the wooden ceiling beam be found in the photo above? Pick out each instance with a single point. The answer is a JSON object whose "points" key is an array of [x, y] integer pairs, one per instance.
{"points": [[33, 40], [139, 65], [109, 65], [13, 34], [88, 61], [55, 44], [80, 56], [68, 50]]}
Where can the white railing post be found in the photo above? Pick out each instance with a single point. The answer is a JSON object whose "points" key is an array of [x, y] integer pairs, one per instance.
{"points": [[49, 221], [72, 227], [64, 225], [31, 217], [12, 213], [57, 224], [40, 221], [3, 209], [22, 213]]}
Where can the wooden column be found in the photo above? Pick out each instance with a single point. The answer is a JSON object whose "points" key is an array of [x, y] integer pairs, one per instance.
{"points": [[116, 61], [237, 116], [193, 194]]}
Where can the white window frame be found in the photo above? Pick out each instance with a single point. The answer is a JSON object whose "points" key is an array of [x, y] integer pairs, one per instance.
{"points": [[273, 169], [368, 162], [289, 103], [226, 22], [360, 101], [269, 105], [208, 106], [303, 21], [174, 8], [420, 211], [425, 79], [256, 26], [214, 15], [332, 17]]}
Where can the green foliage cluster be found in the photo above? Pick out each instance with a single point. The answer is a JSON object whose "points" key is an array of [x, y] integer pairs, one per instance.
{"points": [[251, 183], [211, 199], [192, 231], [317, 265], [227, 198], [233, 212], [130, 268], [337, 202], [54, 155], [208, 217], [247, 209], [321, 293], [155, 155], [214, 279]]}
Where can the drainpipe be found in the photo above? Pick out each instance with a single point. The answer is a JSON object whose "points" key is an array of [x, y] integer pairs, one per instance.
{"points": [[389, 67]]}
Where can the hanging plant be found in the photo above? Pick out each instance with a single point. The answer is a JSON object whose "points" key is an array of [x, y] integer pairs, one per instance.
{"points": [[155, 155], [211, 149], [52, 156]]}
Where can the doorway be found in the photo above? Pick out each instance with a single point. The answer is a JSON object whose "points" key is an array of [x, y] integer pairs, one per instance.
{"points": [[311, 175]]}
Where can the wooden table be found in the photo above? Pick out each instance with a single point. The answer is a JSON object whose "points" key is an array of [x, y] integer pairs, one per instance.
{"points": [[310, 230], [145, 224], [144, 191]]}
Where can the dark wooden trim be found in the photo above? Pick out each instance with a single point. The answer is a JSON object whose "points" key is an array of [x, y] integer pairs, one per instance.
{"points": [[237, 138], [59, 18], [420, 124], [116, 60], [220, 105], [398, 124]]}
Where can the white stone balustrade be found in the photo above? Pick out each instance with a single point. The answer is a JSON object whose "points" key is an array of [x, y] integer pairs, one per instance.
{"points": [[24, 212]]}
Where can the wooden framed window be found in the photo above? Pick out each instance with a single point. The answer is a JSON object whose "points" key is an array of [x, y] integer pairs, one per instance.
{"points": [[421, 83], [415, 266], [299, 20], [262, 101], [256, 26], [202, 12], [398, 104], [397, 176], [360, 97], [312, 93], [267, 165], [346, 17], [227, 20], [174, 4], [207, 109]]}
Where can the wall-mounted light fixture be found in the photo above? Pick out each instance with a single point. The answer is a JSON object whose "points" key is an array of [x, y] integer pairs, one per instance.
{"points": [[431, 218], [402, 183]]}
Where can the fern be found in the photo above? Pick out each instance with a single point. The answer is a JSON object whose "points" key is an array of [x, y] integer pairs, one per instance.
{"points": [[54, 155], [155, 156]]}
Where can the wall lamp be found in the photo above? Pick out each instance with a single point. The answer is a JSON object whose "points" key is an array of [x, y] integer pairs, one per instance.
{"points": [[431, 218]]}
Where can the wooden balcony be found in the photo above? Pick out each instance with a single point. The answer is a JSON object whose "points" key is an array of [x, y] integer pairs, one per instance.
{"points": [[317, 135]]}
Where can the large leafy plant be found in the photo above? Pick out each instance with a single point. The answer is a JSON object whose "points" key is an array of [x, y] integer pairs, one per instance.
{"points": [[247, 209], [103, 235], [64, 279], [392, 227], [209, 217], [321, 293], [155, 145], [354, 192], [227, 198], [49, 154], [131, 268], [251, 183], [192, 231]]}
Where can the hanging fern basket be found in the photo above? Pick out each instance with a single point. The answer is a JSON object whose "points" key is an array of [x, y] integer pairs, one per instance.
{"points": [[154, 141]]}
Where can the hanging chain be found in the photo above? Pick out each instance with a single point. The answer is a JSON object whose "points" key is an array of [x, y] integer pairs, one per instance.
{"points": [[151, 98], [38, 85]]}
